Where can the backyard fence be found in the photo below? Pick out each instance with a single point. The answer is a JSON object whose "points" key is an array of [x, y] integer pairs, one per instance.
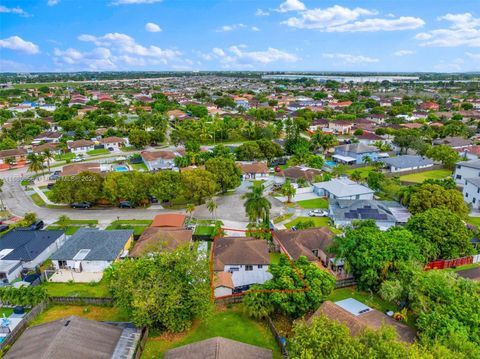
{"points": [[229, 300], [281, 342], [418, 170], [141, 343], [450, 263], [82, 300], [347, 282], [18, 330]]}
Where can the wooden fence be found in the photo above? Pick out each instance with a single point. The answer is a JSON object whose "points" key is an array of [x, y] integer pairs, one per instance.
{"points": [[19, 329], [141, 343], [281, 342], [82, 300]]}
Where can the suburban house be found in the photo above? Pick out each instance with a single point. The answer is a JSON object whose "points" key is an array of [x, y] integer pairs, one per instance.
{"points": [[17, 155], [244, 259], [112, 143], [454, 142], [77, 338], [341, 127], [254, 170], [47, 137], [386, 214], [218, 348], [155, 239], [358, 317], [466, 169], [76, 168], [159, 160], [92, 250], [296, 172], [81, 147], [312, 243], [355, 153], [26, 250], [169, 221], [471, 191], [342, 188], [407, 163], [53, 147], [369, 139]]}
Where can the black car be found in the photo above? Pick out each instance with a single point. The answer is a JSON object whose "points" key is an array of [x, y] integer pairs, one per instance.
{"points": [[152, 199], [50, 185], [83, 204], [126, 204], [35, 226]]}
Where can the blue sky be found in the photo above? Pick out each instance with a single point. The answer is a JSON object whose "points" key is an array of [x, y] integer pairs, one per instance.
{"points": [[294, 35]]}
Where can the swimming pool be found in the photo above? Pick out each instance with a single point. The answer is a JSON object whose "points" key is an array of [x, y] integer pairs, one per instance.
{"points": [[330, 163], [121, 169]]}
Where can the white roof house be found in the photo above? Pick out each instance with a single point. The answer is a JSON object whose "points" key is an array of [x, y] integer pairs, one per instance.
{"points": [[342, 188]]}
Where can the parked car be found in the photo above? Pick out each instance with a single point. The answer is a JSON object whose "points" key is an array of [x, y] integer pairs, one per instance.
{"points": [[318, 213], [152, 199], [83, 204], [126, 204], [35, 226], [50, 185], [55, 175], [77, 159]]}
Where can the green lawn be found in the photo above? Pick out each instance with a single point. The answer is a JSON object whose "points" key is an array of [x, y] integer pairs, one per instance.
{"points": [[204, 230], [139, 167], [422, 176], [363, 171], [65, 156], [475, 221], [37, 200], [98, 152], [319, 221], [137, 229], [98, 290], [145, 222], [228, 323], [6, 311], [100, 313], [314, 203], [79, 221], [275, 257], [68, 231], [282, 218], [372, 301]]}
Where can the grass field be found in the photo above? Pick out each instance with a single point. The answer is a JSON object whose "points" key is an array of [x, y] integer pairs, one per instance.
{"points": [[97, 290], [79, 221], [6, 311], [364, 171], [204, 230], [474, 220], [282, 218], [228, 323], [68, 230], [98, 152], [65, 156], [137, 229], [37, 200], [314, 203], [139, 167], [422, 176], [100, 313], [319, 221], [275, 257]]}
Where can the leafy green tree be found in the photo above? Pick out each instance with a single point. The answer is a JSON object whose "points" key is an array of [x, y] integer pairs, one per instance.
{"points": [[257, 207], [320, 284], [138, 138], [288, 190], [375, 180], [86, 186], [8, 143], [315, 161], [324, 141], [447, 155], [198, 184], [444, 231], [161, 291], [248, 151], [127, 186], [373, 256], [269, 149], [166, 185], [435, 196], [226, 172]]}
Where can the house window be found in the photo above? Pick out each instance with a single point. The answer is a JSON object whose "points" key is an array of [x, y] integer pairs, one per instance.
{"points": [[260, 266], [248, 267], [459, 177], [62, 264], [233, 269], [474, 199], [466, 195]]}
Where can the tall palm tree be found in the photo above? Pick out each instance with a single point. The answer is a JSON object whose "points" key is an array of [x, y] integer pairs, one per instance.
{"points": [[367, 159], [288, 190], [256, 205], [212, 206], [36, 163], [48, 156], [190, 208]]}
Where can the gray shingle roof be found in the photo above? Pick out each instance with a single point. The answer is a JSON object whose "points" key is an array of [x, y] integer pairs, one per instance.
{"points": [[356, 148], [475, 181], [27, 245], [472, 164], [104, 245], [407, 161], [343, 187]]}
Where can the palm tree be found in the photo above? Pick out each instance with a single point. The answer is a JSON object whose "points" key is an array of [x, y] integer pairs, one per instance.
{"points": [[256, 206], [367, 159], [48, 156], [190, 208], [288, 190], [356, 175], [212, 206], [36, 163]]}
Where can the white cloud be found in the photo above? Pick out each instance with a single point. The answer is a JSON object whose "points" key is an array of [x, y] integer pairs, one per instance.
{"points": [[152, 27], [473, 56], [18, 44], [13, 66], [237, 56], [291, 5], [254, 28], [261, 12], [349, 59], [52, 2], [130, 2], [233, 27], [116, 51], [403, 53], [13, 10], [341, 19], [464, 30]]}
